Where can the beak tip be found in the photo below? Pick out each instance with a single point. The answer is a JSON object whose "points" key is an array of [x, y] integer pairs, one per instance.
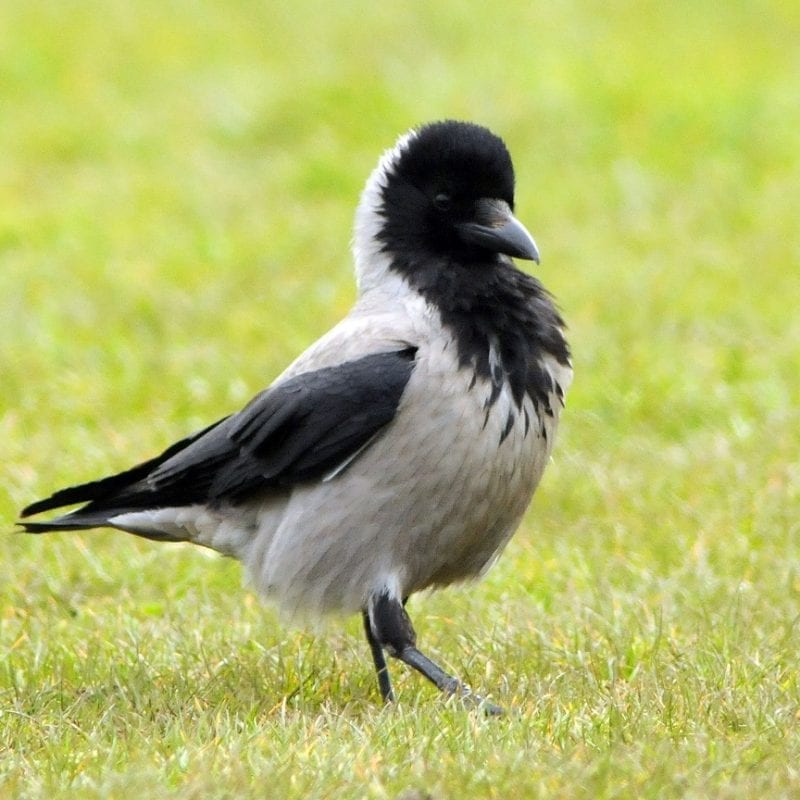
{"points": [[528, 251]]}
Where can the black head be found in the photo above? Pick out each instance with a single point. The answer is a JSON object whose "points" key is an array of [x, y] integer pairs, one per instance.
{"points": [[449, 193], [437, 211]]}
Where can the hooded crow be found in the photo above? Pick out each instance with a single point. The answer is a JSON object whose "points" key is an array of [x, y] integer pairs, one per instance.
{"points": [[400, 451]]}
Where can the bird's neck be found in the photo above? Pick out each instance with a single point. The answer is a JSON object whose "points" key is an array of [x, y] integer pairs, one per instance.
{"points": [[503, 321]]}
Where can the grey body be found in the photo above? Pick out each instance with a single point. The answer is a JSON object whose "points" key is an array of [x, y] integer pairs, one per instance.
{"points": [[396, 517]]}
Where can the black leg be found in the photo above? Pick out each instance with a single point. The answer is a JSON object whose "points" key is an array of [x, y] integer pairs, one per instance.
{"points": [[382, 670], [389, 626]]}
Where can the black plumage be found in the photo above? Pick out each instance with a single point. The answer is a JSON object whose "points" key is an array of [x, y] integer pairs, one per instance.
{"points": [[438, 191], [297, 431]]}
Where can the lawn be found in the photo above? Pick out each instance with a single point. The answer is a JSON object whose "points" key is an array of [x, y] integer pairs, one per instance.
{"points": [[177, 184]]}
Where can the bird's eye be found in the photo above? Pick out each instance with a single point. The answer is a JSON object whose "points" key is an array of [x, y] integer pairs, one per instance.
{"points": [[442, 201]]}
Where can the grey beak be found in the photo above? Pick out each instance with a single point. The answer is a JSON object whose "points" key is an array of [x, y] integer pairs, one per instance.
{"points": [[498, 230]]}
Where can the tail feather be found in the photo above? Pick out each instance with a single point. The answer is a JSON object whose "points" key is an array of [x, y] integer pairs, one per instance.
{"points": [[106, 488], [87, 492], [67, 522], [81, 520]]}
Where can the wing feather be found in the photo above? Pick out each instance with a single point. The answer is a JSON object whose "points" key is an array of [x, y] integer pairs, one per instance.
{"points": [[309, 427]]}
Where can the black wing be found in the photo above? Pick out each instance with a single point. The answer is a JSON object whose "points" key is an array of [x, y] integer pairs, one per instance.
{"points": [[300, 430]]}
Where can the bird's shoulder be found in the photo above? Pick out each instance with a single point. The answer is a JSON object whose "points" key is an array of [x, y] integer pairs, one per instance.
{"points": [[373, 326]]}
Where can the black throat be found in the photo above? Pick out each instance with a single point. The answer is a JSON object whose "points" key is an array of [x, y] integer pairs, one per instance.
{"points": [[503, 322]]}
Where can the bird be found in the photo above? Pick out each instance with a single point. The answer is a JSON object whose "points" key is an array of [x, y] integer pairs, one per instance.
{"points": [[399, 452]]}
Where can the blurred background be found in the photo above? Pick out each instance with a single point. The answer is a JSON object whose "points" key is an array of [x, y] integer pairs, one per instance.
{"points": [[177, 186]]}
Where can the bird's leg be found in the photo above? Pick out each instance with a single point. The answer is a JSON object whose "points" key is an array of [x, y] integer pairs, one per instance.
{"points": [[382, 670], [389, 626]]}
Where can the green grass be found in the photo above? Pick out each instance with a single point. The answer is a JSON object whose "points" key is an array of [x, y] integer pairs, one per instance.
{"points": [[177, 182]]}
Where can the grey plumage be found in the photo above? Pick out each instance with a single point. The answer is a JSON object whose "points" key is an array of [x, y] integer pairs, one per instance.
{"points": [[400, 451]]}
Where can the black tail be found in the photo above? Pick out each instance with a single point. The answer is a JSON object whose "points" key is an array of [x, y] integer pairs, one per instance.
{"points": [[76, 521], [81, 520], [104, 498]]}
